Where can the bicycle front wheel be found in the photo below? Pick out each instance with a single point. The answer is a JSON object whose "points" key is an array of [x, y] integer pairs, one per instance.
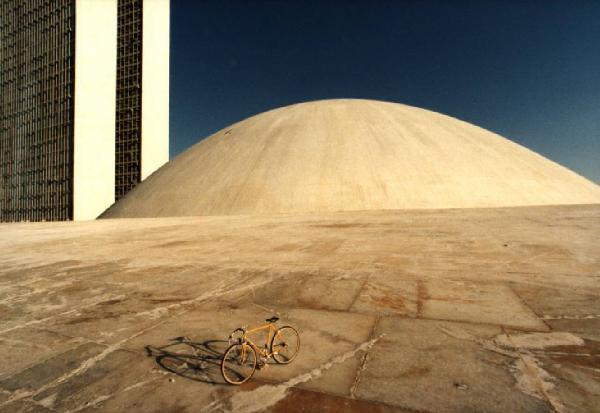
{"points": [[239, 363], [285, 344]]}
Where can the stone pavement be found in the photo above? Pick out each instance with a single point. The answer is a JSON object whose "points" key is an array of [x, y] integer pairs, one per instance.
{"points": [[481, 310]]}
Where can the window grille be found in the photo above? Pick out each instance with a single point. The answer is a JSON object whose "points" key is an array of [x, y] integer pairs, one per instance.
{"points": [[129, 97], [36, 109]]}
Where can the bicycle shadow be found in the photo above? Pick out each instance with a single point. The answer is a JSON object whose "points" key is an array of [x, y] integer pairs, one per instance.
{"points": [[192, 360]]}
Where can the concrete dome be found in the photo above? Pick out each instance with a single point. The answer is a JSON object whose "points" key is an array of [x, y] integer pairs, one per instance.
{"points": [[340, 155]]}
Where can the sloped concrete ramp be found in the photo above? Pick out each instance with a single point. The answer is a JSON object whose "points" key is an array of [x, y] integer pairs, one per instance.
{"points": [[483, 310]]}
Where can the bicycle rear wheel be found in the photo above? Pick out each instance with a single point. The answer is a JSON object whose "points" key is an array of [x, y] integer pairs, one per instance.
{"points": [[239, 363], [285, 344]]}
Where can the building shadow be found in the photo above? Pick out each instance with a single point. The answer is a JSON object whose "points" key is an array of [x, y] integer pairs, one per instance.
{"points": [[199, 361]]}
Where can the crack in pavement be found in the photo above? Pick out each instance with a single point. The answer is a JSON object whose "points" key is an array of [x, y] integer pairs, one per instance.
{"points": [[363, 365], [103, 298], [55, 287], [571, 317], [222, 289], [83, 367], [94, 403]]}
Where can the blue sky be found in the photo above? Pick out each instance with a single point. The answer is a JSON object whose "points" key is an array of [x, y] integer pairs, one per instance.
{"points": [[529, 71]]}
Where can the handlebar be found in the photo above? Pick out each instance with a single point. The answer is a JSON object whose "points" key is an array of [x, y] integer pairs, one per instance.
{"points": [[241, 330]]}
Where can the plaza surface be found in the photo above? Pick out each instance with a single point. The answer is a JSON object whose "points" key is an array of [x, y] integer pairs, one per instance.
{"points": [[458, 310]]}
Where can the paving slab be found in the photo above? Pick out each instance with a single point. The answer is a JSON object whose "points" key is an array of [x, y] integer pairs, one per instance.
{"points": [[24, 407], [300, 400], [64, 298], [588, 328], [43, 373], [17, 279], [163, 394], [477, 302], [388, 295], [327, 292], [440, 367], [117, 371], [109, 321], [555, 303], [564, 309], [22, 348]]}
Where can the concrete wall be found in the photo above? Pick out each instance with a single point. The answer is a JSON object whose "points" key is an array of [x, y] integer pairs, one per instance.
{"points": [[95, 95], [155, 86]]}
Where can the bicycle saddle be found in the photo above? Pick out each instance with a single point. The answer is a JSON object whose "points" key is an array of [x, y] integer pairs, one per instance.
{"points": [[272, 319]]}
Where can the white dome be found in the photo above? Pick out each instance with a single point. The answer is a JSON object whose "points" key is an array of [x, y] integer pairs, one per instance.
{"points": [[347, 154]]}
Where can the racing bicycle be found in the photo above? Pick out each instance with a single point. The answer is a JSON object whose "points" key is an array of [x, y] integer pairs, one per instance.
{"points": [[241, 359]]}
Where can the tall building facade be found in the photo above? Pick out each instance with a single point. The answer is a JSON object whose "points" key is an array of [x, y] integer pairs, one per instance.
{"points": [[84, 108]]}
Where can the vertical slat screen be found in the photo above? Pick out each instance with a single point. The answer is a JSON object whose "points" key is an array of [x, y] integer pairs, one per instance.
{"points": [[36, 109], [129, 97]]}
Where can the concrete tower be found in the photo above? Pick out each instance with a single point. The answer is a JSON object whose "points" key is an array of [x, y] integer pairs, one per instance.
{"points": [[85, 104]]}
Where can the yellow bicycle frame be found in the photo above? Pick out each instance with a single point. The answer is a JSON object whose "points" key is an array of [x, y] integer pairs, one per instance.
{"points": [[264, 351]]}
